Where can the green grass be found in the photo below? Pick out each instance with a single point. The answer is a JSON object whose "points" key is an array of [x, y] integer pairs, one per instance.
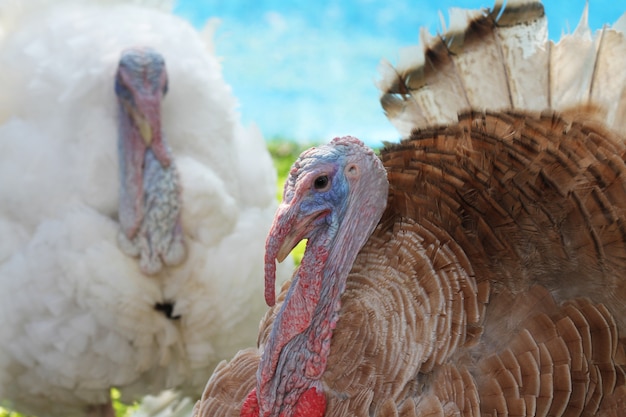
{"points": [[121, 409], [284, 153], [7, 413]]}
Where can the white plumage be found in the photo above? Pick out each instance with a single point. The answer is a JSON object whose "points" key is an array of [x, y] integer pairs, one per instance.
{"points": [[77, 316]]}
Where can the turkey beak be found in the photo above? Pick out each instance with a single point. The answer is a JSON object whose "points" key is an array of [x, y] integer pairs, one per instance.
{"points": [[146, 116], [290, 226], [290, 231], [141, 122]]}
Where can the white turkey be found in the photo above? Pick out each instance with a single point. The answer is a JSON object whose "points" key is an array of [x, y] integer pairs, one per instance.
{"points": [[474, 269], [133, 208]]}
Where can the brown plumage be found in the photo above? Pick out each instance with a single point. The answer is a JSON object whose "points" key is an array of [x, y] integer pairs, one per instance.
{"points": [[493, 284]]}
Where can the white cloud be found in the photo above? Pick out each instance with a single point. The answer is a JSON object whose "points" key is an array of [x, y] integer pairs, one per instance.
{"points": [[276, 22]]}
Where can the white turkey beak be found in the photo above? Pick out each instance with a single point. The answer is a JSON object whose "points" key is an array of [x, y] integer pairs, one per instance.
{"points": [[140, 121]]}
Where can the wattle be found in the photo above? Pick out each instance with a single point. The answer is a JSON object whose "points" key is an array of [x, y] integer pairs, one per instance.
{"points": [[250, 406], [312, 403]]}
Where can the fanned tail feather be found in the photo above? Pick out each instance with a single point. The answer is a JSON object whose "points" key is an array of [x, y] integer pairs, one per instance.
{"points": [[502, 59]]}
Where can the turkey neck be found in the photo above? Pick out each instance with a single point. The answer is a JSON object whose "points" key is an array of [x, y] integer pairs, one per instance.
{"points": [[295, 355], [296, 352]]}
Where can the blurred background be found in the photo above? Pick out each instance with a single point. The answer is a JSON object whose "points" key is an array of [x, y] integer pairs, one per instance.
{"points": [[306, 70]]}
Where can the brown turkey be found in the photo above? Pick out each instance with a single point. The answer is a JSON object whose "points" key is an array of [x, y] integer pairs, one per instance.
{"points": [[481, 272]]}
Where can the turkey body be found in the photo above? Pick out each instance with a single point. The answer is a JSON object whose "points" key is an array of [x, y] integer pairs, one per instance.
{"points": [[492, 283], [81, 310]]}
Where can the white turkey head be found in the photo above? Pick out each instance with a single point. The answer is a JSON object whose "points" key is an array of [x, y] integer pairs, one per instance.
{"points": [[150, 204]]}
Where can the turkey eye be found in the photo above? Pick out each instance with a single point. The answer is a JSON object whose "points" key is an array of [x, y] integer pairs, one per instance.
{"points": [[321, 182]]}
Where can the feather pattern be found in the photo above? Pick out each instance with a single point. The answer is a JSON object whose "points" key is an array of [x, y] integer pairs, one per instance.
{"points": [[493, 283], [76, 312], [500, 60]]}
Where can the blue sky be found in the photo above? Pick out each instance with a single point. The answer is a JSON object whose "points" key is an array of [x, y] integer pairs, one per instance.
{"points": [[306, 70]]}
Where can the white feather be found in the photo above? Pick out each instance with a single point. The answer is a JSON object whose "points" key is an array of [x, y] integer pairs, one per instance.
{"points": [[76, 315]]}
